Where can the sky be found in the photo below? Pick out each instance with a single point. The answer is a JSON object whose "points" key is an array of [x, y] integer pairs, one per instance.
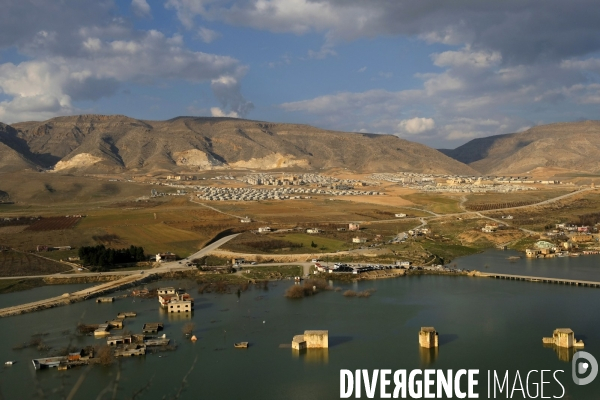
{"points": [[435, 72]]}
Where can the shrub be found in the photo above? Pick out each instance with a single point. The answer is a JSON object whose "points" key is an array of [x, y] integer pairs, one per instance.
{"points": [[307, 288]]}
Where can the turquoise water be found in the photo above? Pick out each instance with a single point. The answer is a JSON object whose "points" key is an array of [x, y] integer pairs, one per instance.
{"points": [[483, 323]]}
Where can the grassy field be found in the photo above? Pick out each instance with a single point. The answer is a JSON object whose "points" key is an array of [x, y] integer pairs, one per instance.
{"points": [[159, 237], [251, 243], [389, 229], [533, 196], [173, 225], [322, 210], [566, 210], [272, 272], [437, 203], [448, 252], [324, 244], [14, 263], [16, 285]]}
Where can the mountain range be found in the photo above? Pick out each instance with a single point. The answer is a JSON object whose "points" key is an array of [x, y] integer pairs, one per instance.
{"points": [[115, 144], [572, 146]]}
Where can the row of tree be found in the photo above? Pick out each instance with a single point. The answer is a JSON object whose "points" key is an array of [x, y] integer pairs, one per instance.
{"points": [[100, 257]]}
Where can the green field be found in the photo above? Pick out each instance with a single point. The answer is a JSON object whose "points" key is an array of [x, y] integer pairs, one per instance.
{"points": [[323, 244], [156, 238], [435, 202], [532, 196], [272, 272], [302, 241], [16, 285]]}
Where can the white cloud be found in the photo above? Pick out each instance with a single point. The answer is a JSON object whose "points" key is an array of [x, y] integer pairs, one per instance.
{"points": [[324, 52], [416, 125], [520, 32], [466, 57], [208, 35], [363, 69], [141, 8], [49, 85], [217, 112]]}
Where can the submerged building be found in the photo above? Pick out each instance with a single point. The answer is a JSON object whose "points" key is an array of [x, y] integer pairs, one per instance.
{"points": [[428, 337], [563, 337], [311, 340]]}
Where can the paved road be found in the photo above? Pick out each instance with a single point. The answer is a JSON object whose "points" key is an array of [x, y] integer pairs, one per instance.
{"points": [[130, 277]]}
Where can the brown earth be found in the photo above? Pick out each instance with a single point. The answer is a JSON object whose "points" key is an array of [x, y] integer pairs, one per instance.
{"points": [[543, 150], [115, 144]]}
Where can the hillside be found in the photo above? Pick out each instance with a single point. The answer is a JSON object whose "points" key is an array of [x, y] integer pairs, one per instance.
{"points": [[573, 146], [112, 144]]}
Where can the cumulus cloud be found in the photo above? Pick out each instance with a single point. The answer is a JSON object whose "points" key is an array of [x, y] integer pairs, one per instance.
{"points": [[522, 32], [141, 8], [466, 57], [207, 35], [217, 112], [462, 102], [509, 59], [92, 60], [416, 125]]}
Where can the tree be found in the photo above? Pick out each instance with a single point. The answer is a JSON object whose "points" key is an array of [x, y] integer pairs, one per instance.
{"points": [[105, 355]]}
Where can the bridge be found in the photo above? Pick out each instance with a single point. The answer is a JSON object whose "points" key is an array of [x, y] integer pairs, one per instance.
{"points": [[559, 281]]}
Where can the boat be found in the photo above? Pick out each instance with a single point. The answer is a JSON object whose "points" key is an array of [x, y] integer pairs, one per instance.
{"points": [[9, 362], [241, 345]]}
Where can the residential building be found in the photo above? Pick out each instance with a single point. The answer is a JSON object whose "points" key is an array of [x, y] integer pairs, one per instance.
{"points": [[166, 257]]}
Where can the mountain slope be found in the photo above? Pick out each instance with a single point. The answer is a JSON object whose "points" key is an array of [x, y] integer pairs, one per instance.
{"points": [[98, 144], [572, 146], [12, 151]]}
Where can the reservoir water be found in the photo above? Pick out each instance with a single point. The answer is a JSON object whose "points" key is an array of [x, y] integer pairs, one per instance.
{"points": [[485, 324]]}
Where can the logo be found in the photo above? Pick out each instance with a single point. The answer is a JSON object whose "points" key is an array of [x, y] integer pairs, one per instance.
{"points": [[584, 364]]}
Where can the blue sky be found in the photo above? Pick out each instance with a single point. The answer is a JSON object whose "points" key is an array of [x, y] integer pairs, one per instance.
{"points": [[440, 73]]}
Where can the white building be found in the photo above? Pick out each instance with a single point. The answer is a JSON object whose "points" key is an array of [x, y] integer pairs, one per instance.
{"points": [[264, 229], [401, 215], [178, 306], [359, 240]]}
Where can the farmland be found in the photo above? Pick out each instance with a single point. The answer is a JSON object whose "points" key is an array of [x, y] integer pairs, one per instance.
{"points": [[53, 224], [566, 210], [14, 263], [436, 203], [496, 206], [316, 210], [476, 200], [174, 225]]}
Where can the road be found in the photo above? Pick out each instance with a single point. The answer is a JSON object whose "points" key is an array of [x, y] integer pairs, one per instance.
{"points": [[130, 277]]}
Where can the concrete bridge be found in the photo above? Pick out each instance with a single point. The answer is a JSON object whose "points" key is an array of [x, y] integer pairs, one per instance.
{"points": [[560, 281]]}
